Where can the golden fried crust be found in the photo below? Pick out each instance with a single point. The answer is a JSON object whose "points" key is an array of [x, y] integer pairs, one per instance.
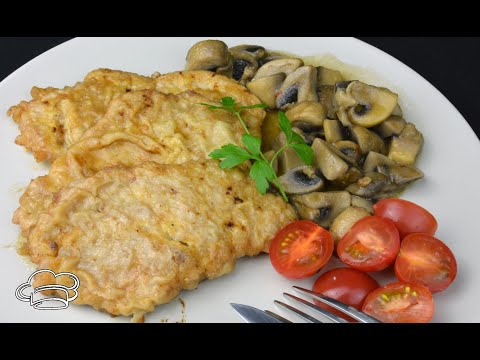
{"points": [[139, 126], [83, 159], [177, 122], [214, 87], [136, 236], [56, 118]]}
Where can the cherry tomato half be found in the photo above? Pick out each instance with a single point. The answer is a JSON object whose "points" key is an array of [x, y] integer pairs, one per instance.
{"points": [[400, 303], [426, 260], [408, 217], [370, 245], [347, 285], [301, 249]]}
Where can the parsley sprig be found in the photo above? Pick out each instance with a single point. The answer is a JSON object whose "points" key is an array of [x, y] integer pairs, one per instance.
{"points": [[262, 169]]}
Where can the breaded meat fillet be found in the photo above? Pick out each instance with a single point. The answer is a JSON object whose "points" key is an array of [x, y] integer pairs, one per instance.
{"points": [[136, 236], [57, 118], [143, 125], [83, 159], [214, 87], [172, 120]]}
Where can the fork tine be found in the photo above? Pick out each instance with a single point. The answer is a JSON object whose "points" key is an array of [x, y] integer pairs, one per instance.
{"points": [[297, 312], [278, 317], [349, 310], [330, 316]]}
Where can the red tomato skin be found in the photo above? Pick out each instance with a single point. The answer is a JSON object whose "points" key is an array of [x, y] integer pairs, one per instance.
{"points": [[407, 216], [364, 225], [299, 272], [419, 313], [437, 247], [347, 285]]}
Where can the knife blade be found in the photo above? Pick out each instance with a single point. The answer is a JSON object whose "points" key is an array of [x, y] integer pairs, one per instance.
{"points": [[256, 316]]}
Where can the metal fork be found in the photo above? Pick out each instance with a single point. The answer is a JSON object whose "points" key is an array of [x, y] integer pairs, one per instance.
{"points": [[346, 309]]}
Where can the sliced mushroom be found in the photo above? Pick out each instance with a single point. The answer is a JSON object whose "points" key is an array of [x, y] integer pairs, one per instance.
{"points": [[400, 174], [348, 159], [342, 102], [302, 180], [349, 149], [328, 161], [299, 86], [362, 203], [309, 135], [325, 97], [269, 156], [374, 160], [351, 176], [258, 52], [371, 185], [270, 130], [326, 76], [373, 104], [244, 65], [321, 207], [288, 159], [280, 66], [345, 220], [307, 115], [333, 131], [390, 127], [208, 55], [405, 147], [341, 98], [270, 57], [367, 140], [265, 88], [343, 117]]}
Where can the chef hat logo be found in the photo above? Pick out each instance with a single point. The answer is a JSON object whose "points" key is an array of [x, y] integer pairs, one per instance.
{"points": [[28, 293]]}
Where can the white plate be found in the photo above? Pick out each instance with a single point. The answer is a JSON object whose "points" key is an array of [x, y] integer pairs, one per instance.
{"points": [[450, 160]]}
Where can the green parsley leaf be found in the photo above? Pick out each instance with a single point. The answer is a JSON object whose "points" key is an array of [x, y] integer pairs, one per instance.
{"points": [[285, 125], [252, 144], [226, 150], [228, 101], [304, 152], [262, 185], [233, 155], [267, 170], [261, 172], [231, 161], [297, 138]]}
